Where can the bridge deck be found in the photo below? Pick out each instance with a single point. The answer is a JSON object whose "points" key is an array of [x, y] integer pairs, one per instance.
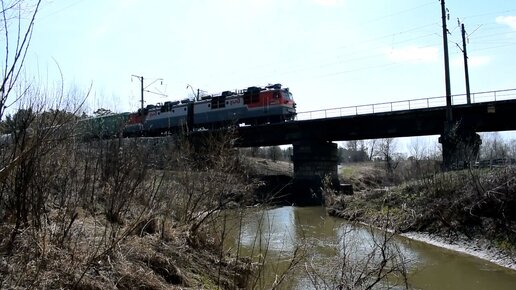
{"points": [[494, 115]]}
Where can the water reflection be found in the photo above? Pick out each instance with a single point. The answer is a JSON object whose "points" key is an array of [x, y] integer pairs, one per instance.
{"points": [[277, 233], [273, 229]]}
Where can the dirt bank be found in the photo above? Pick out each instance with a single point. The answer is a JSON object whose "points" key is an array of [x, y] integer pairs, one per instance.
{"points": [[474, 247]]}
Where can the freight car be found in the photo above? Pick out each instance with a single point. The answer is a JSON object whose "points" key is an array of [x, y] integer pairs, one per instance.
{"points": [[102, 127]]}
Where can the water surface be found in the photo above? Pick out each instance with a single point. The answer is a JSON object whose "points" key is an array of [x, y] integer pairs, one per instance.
{"points": [[275, 235]]}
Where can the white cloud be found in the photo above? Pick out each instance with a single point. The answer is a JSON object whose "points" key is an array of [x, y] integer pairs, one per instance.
{"points": [[507, 20], [479, 60], [475, 61], [413, 54], [328, 2]]}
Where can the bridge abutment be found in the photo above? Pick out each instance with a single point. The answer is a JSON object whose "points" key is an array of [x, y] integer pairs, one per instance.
{"points": [[315, 165], [460, 145]]}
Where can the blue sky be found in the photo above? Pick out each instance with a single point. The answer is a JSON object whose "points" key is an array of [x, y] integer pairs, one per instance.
{"points": [[331, 53]]}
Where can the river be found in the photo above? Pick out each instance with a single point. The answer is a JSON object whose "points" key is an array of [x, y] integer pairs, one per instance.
{"points": [[277, 234]]}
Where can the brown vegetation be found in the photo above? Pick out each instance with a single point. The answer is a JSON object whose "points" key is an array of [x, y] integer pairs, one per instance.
{"points": [[100, 215]]}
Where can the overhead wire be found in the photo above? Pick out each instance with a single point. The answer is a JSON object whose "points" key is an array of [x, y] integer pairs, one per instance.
{"points": [[353, 57], [53, 13], [490, 13], [289, 60], [292, 66], [356, 58]]}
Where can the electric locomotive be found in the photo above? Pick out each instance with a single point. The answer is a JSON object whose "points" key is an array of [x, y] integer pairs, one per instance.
{"points": [[251, 106]]}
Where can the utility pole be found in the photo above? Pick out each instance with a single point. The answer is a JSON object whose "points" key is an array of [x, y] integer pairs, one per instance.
{"points": [[449, 116], [141, 88], [466, 71], [144, 89]]}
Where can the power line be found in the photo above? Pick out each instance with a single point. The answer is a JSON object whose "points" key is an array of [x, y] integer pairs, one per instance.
{"points": [[489, 13], [144, 89], [290, 60], [398, 13], [297, 64], [362, 55], [60, 10]]}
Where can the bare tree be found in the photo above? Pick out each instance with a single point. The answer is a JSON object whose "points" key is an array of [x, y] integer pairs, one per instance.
{"points": [[418, 149], [16, 45], [512, 149], [371, 145], [274, 153], [357, 151], [386, 149], [493, 147]]}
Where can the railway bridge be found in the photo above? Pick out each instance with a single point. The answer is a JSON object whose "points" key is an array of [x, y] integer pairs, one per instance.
{"points": [[313, 133]]}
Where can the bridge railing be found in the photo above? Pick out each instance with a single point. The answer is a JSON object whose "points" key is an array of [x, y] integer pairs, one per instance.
{"points": [[424, 103]]}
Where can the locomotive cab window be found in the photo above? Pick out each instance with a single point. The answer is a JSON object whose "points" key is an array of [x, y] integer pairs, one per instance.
{"points": [[218, 102], [287, 95], [252, 95]]}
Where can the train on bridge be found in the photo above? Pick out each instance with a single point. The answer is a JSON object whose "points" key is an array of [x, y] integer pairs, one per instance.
{"points": [[251, 106]]}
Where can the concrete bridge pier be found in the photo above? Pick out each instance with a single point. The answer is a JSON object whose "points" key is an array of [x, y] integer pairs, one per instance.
{"points": [[315, 163], [460, 145]]}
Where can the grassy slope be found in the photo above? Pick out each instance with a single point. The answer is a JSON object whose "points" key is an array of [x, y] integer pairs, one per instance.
{"points": [[471, 203]]}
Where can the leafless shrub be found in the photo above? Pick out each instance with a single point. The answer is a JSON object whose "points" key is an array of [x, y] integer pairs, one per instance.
{"points": [[16, 33], [123, 171], [358, 264], [206, 179], [30, 162], [82, 215]]}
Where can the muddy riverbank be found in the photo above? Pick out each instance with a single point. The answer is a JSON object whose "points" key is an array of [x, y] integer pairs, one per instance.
{"points": [[478, 248], [471, 211]]}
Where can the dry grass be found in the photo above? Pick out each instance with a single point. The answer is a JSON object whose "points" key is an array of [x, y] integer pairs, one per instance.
{"points": [[261, 166], [364, 176], [145, 261], [94, 216]]}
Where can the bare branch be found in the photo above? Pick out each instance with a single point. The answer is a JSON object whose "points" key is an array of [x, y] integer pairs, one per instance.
{"points": [[13, 68]]}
